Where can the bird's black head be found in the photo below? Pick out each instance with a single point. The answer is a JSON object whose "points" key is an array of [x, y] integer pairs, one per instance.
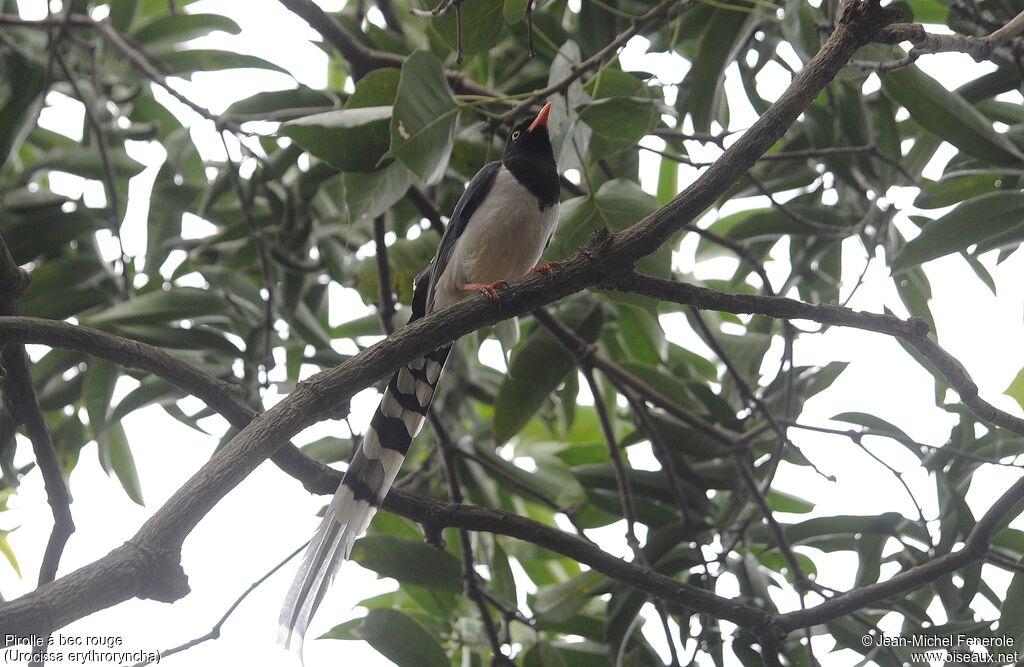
{"points": [[528, 155], [530, 138]]}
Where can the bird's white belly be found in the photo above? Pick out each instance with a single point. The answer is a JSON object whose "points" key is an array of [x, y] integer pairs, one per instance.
{"points": [[503, 240]]}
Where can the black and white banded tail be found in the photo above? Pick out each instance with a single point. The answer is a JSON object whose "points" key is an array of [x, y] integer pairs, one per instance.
{"points": [[370, 475]]}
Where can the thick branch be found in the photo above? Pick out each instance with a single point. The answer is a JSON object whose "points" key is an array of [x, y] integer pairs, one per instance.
{"points": [[979, 48]]}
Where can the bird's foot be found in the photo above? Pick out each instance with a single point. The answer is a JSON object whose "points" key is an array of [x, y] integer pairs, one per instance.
{"points": [[490, 290], [546, 267]]}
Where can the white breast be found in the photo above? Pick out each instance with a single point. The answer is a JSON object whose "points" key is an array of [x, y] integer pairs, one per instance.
{"points": [[503, 240]]}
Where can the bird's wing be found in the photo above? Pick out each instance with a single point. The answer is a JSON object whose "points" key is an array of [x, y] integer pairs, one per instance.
{"points": [[475, 193]]}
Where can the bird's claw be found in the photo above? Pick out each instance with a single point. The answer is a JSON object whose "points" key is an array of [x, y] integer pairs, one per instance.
{"points": [[546, 267], [490, 290]]}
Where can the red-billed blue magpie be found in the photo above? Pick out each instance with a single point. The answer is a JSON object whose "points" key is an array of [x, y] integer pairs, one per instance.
{"points": [[500, 227]]}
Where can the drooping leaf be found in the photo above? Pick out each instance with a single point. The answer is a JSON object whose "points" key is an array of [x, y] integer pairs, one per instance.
{"points": [[162, 306], [166, 30], [116, 453], [187, 63], [424, 119], [949, 116], [8, 552], [997, 215], [1016, 388], [702, 88], [560, 602], [539, 365], [400, 639], [408, 561], [482, 23], [356, 137]]}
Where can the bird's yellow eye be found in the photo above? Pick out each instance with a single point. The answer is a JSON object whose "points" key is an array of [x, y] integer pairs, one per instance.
{"points": [[515, 135]]}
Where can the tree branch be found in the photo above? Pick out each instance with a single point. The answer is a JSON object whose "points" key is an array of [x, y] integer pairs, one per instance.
{"points": [[362, 58], [20, 397], [979, 48], [913, 331]]}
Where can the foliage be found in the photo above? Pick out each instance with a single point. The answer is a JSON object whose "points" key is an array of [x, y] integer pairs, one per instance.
{"points": [[293, 211]]}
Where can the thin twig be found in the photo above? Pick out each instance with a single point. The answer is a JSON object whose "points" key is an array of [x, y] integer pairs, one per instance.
{"points": [[663, 454], [528, 13], [214, 632], [109, 180], [469, 575], [266, 270], [512, 481], [23, 404], [387, 295], [743, 252], [662, 11], [913, 331]]}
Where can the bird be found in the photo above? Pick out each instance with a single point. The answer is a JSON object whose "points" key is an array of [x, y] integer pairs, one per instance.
{"points": [[498, 231]]}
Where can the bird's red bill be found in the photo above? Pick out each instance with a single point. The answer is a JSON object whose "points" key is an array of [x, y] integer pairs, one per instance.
{"points": [[542, 118]]}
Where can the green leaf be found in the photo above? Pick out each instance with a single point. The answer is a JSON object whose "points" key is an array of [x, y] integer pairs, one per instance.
{"points": [[482, 23], [97, 390], [349, 139], [199, 338], [514, 10], [85, 161], [21, 96], [617, 204], [621, 120], [702, 89], [166, 30], [949, 191], [370, 195], [180, 304], [186, 63], [115, 451], [329, 449], [354, 138], [560, 602], [1016, 389], [668, 180], [928, 11], [424, 119], [7, 551], [400, 639], [282, 104], [409, 561], [1011, 619], [407, 258], [539, 365], [995, 215], [949, 115], [26, 243], [344, 630], [543, 654], [152, 390], [786, 502]]}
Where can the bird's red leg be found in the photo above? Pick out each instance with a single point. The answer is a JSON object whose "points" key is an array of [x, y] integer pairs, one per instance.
{"points": [[546, 267], [490, 290]]}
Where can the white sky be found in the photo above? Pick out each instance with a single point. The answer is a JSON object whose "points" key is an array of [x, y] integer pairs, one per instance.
{"points": [[270, 514]]}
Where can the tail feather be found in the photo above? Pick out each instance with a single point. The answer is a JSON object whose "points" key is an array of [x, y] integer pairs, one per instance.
{"points": [[373, 470]]}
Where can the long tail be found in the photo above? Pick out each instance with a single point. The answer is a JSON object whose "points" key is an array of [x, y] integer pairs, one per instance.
{"points": [[370, 475]]}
